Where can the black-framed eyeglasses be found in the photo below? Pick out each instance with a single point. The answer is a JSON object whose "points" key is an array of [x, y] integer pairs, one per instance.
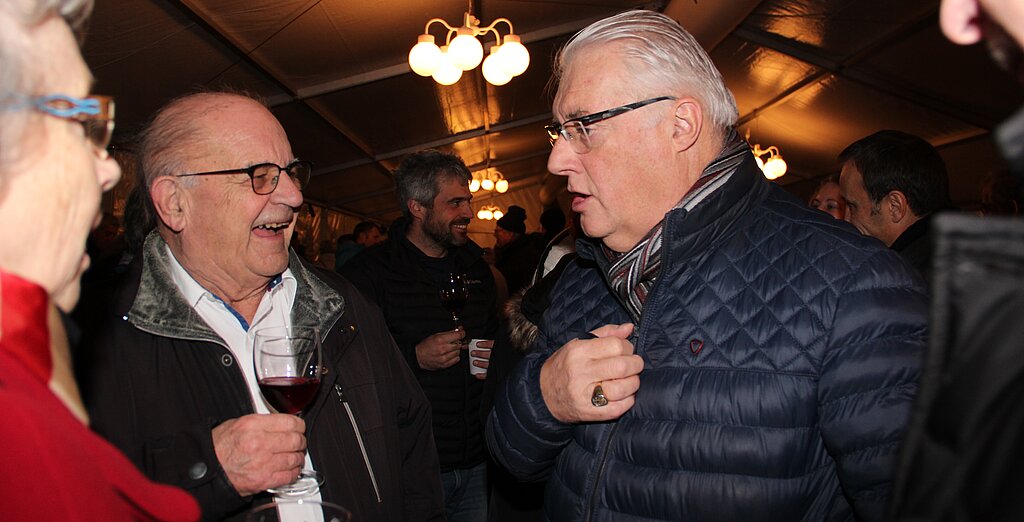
{"points": [[95, 113], [575, 130], [265, 176]]}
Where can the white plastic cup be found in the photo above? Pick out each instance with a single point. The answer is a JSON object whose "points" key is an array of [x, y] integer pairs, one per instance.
{"points": [[474, 345]]}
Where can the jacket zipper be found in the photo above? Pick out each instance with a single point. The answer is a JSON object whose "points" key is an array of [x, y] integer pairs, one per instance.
{"points": [[359, 439], [600, 472], [611, 433]]}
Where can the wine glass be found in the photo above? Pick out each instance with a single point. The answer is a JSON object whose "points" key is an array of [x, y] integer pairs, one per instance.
{"points": [[454, 295], [288, 368], [301, 509]]}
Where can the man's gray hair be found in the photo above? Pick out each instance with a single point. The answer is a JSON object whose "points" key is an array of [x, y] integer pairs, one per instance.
{"points": [[665, 60], [420, 174], [20, 74]]}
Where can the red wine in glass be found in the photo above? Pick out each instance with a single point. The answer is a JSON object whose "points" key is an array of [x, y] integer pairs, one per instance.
{"points": [[287, 361], [289, 394], [454, 295]]}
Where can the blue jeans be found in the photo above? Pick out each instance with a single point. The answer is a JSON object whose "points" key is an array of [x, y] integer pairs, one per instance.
{"points": [[465, 494]]}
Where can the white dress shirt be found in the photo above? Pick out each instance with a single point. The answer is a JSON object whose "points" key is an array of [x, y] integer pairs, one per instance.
{"points": [[274, 310]]}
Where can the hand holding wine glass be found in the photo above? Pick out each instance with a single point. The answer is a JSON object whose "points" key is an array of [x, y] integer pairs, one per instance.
{"points": [[288, 368]]}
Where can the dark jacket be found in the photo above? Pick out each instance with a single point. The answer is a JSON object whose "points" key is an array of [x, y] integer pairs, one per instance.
{"points": [[518, 261], [915, 246], [781, 353], [963, 459], [159, 379], [395, 274]]}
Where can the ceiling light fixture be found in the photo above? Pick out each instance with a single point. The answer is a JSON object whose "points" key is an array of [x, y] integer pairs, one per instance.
{"points": [[488, 179], [508, 57], [489, 212]]}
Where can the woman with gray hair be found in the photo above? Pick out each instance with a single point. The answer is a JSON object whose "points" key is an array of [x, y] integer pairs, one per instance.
{"points": [[53, 170]]}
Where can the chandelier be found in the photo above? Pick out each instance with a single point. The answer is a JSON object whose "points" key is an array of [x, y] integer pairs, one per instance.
{"points": [[488, 179], [508, 57], [489, 212]]}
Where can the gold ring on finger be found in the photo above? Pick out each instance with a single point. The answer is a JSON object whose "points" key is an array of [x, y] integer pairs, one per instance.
{"points": [[597, 398]]}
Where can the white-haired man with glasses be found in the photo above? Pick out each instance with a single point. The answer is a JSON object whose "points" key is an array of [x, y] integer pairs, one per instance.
{"points": [[718, 351], [171, 377], [54, 168]]}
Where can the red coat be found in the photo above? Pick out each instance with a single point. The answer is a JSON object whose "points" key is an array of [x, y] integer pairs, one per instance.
{"points": [[54, 467]]}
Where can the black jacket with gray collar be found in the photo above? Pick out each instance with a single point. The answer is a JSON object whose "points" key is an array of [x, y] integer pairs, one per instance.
{"points": [[157, 379]]}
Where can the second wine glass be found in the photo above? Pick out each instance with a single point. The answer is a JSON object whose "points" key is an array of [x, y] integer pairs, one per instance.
{"points": [[454, 295]]}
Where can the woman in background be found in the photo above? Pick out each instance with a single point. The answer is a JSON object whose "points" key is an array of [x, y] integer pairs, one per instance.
{"points": [[826, 198]]}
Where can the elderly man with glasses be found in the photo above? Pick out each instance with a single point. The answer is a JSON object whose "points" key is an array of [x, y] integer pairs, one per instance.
{"points": [[54, 169], [717, 351], [171, 377]]}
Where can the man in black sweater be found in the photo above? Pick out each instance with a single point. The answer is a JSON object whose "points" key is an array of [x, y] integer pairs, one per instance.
{"points": [[404, 276]]}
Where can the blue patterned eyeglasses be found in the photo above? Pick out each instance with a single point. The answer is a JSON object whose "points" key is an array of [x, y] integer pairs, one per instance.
{"points": [[94, 113]]}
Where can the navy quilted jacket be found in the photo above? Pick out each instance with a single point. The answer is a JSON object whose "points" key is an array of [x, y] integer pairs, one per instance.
{"points": [[781, 352]]}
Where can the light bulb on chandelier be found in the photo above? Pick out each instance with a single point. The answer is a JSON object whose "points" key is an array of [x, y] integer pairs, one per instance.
{"points": [[446, 73], [489, 212], [489, 179], [508, 57]]}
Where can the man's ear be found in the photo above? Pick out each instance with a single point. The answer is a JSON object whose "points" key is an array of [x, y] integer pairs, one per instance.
{"points": [[417, 209], [168, 200], [688, 120], [896, 206]]}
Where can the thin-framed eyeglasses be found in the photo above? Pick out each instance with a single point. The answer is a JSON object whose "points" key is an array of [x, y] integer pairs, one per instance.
{"points": [[95, 113], [265, 176], [575, 132]]}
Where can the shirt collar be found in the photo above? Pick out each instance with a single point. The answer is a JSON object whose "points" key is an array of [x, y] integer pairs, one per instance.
{"points": [[193, 292]]}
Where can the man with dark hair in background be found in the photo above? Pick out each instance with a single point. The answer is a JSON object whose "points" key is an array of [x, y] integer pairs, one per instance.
{"points": [[893, 182], [405, 276], [364, 235]]}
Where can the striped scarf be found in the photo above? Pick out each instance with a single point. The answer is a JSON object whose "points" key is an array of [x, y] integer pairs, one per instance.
{"points": [[631, 275]]}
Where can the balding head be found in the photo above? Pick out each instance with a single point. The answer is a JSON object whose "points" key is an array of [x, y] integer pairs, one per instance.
{"points": [[178, 132]]}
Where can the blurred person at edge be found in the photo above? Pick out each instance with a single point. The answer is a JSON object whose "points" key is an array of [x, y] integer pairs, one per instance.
{"points": [[963, 459], [53, 169], [717, 351], [828, 199]]}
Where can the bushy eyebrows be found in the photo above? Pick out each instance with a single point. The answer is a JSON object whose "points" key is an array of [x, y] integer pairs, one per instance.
{"points": [[578, 113]]}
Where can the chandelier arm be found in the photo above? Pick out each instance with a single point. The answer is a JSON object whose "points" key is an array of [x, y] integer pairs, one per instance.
{"points": [[426, 29], [491, 27]]}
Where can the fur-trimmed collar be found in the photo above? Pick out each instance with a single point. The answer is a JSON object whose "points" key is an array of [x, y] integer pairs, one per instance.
{"points": [[159, 307]]}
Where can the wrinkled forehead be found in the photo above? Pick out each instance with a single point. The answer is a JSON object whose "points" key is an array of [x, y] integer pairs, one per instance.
{"points": [[240, 128]]}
